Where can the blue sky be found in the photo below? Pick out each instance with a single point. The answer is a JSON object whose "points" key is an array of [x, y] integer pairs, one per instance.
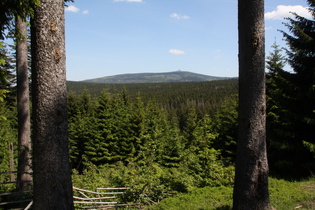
{"points": [[109, 37]]}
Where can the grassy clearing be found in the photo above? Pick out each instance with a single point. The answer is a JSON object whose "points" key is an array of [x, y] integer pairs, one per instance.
{"points": [[283, 195], [203, 198], [292, 195]]}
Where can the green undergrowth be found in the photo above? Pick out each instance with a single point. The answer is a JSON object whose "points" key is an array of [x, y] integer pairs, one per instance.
{"points": [[292, 194], [158, 188], [201, 198], [283, 195], [153, 183]]}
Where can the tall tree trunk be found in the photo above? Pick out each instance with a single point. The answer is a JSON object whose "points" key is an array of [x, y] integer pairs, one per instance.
{"points": [[52, 178], [11, 161], [251, 177], [24, 131]]}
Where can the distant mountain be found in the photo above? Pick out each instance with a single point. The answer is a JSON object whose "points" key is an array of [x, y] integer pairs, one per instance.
{"points": [[176, 76]]}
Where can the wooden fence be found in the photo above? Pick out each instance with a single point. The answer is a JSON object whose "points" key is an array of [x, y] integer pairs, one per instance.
{"points": [[6, 198], [12, 176], [101, 198]]}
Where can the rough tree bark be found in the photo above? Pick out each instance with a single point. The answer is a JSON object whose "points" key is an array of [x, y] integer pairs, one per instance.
{"points": [[24, 130], [251, 177], [52, 179]]}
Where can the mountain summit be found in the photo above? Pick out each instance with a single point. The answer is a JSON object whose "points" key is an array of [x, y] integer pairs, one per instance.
{"points": [[176, 76]]}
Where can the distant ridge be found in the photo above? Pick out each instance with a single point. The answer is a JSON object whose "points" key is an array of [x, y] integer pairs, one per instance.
{"points": [[176, 76]]}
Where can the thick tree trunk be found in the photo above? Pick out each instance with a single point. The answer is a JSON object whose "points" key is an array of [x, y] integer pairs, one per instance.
{"points": [[251, 178], [24, 130], [52, 179]]}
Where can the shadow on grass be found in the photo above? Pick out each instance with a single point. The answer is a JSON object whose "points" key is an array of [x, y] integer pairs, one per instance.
{"points": [[226, 207]]}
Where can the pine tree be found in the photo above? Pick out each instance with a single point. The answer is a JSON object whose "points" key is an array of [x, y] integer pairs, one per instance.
{"points": [[7, 131], [281, 148], [97, 147], [7, 76], [291, 101], [189, 125], [225, 125], [135, 127], [11, 8], [275, 61], [8, 136], [152, 139], [115, 139], [82, 127], [301, 57]]}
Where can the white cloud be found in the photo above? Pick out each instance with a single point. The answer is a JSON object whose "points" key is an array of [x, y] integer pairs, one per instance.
{"points": [[176, 52], [128, 1], [72, 8], [179, 17], [283, 11], [85, 12]]}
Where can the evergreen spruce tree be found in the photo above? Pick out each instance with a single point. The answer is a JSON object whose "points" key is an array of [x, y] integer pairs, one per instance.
{"points": [[8, 137], [189, 125], [298, 94], [281, 148], [72, 102], [123, 134], [82, 127], [11, 8], [275, 61], [7, 75], [97, 148], [225, 125], [301, 56], [135, 127], [152, 134], [170, 143], [7, 132]]}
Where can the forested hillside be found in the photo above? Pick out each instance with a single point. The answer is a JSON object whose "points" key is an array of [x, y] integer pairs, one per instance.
{"points": [[176, 76], [207, 95]]}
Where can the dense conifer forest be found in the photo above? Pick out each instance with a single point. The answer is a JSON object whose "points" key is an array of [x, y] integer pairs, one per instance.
{"points": [[158, 138], [172, 95], [135, 117]]}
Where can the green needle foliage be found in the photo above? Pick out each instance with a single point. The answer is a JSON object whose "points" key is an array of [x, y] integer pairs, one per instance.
{"points": [[291, 100]]}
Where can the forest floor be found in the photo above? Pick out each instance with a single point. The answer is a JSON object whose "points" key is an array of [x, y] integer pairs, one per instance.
{"points": [[284, 195]]}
